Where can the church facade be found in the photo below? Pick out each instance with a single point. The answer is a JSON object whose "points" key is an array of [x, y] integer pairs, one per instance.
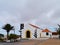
{"points": [[32, 31]]}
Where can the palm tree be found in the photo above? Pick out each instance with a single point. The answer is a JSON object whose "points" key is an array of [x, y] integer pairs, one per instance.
{"points": [[58, 31], [8, 28]]}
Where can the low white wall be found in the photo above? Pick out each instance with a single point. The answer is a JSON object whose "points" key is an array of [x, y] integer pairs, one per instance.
{"points": [[55, 36]]}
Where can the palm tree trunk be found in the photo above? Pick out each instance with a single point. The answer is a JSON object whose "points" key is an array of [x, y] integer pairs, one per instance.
{"points": [[7, 35]]}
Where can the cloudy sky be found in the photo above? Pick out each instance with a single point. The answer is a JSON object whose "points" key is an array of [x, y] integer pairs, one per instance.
{"points": [[44, 13]]}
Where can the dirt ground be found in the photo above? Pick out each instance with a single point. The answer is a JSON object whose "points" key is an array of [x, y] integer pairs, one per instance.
{"points": [[35, 42], [51, 42], [40, 42]]}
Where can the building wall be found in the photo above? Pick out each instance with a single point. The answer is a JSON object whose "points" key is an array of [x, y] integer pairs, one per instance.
{"points": [[26, 28], [43, 34], [40, 34], [32, 30]]}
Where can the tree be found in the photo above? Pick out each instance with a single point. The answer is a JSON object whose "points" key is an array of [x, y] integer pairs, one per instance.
{"points": [[58, 31], [8, 28]]}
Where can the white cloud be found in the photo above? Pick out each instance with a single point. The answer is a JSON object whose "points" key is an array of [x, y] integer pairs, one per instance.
{"points": [[50, 14]]}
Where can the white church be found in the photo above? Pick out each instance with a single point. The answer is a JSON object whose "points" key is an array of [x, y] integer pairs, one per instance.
{"points": [[32, 31]]}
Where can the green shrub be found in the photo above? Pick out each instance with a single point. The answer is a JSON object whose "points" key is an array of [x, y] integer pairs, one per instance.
{"points": [[1, 40], [13, 36]]}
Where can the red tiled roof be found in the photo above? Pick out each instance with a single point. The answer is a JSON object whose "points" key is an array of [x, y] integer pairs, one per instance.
{"points": [[46, 30], [34, 26]]}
